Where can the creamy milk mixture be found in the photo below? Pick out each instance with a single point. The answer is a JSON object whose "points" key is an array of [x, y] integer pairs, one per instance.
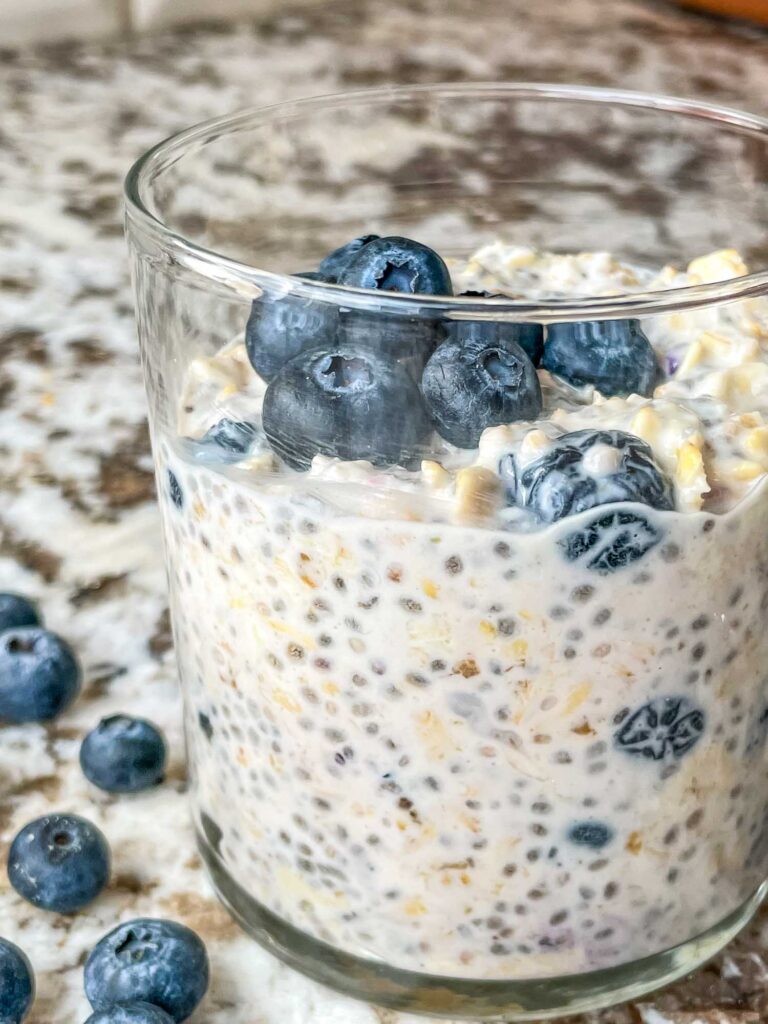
{"points": [[425, 732]]}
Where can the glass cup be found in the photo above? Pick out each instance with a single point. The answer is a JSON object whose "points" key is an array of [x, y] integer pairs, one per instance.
{"points": [[464, 737]]}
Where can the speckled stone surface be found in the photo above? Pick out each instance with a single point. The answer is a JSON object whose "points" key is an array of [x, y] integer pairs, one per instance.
{"points": [[78, 523]]}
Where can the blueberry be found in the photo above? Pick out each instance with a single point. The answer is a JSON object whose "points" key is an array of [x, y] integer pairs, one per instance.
{"points": [[155, 961], [588, 468], [408, 340], [530, 337], [613, 355], [234, 436], [17, 984], [397, 264], [130, 1013], [472, 382], [39, 675], [16, 610], [59, 862], [205, 725], [347, 401], [280, 328], [664, 727], [174, 490], [592, 834], [610, 542], [336, 262], [123, 755]]}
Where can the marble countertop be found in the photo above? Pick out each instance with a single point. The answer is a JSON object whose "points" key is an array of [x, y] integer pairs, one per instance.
{"points": [[78, 523]]}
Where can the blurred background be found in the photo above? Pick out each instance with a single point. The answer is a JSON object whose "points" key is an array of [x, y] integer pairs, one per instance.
{"points": [[25, 21]]}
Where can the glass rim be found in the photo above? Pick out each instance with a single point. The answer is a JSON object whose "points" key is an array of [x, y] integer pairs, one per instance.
{"points": [[250, 281]]}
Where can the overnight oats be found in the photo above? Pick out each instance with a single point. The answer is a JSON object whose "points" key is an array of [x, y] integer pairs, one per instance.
{"points": [[469, 614]]}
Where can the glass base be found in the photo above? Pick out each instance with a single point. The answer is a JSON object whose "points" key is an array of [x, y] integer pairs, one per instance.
{"points": [[443, 996]]}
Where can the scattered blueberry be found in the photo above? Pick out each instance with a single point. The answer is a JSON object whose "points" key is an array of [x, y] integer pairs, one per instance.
{"points": [[39, 675], [280, 328], [471, 383], [613, 355], [59, 862], [396, 264], [611, 542], [16, 610], [123, 755], [174, 489], [588, 468], [17, 984], [592, 834], [336, 262], [346, 401], [155, 961], [664, 726], [205, 724], [234, 436], [130, 1013]]}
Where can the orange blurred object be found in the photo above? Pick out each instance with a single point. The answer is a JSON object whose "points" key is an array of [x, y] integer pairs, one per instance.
{"points": [[755, 10]]}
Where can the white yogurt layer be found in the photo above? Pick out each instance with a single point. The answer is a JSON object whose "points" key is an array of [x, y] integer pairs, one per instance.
{"points": [[432, 736]]}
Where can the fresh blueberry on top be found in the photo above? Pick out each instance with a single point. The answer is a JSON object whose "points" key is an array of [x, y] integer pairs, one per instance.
{"points": [[588, 468], [39, 675], [336, 262], [234, 436], [471, 383], [395, 264], [612, 355], [348, 402], [281, 327], [123, 755], [530, 337], [16, 610], [148, 960], [17, 983], [409, 340], [59, 862], [130, 1013]]}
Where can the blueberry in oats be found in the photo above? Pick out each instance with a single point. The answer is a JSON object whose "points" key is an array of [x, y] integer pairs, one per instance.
{"points": [[592, 834], [174, 490], [16, 610], [130, 1013], [123, 755], [148, 960], [17, 983], [233, 436], [474, 381], [348, 402], [280, 328], [664, 727], [39, 675], [587, 468], [396, 264], [59, 862], [335, 263], [613, 541], [614, 356]]}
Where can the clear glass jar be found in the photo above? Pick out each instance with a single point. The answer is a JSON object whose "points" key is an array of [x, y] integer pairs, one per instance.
{"points": [[451, 750]]}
